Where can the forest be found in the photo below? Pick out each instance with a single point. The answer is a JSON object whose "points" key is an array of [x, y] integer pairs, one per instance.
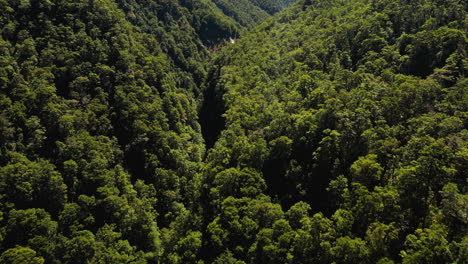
{"points": [[233, 131]]}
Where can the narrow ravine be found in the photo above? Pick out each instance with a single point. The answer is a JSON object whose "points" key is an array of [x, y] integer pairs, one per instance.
{"points": [[212, 109]]}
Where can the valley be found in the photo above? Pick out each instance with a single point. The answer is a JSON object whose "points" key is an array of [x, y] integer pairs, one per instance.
{"points": [[223, 131]]}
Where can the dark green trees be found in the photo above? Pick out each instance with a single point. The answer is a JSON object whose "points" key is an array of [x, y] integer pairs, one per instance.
{"points": [[345, 106], [334, 132], [92, 118]]}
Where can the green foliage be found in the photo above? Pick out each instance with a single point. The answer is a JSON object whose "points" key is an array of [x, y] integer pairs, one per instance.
{"points": [[354, 109], [427, 245], [348, 250], [244, 11], [24, 183], [132, 131], [272, 6], [20, 255], [232, 182]]}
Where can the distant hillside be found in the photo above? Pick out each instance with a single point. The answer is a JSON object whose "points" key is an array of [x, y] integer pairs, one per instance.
{"points": [[244, 11], [272, 6], [186, 29], [250, 13]]}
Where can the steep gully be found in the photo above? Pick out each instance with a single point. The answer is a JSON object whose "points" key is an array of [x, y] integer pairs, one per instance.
{"points": [[212, 109]]}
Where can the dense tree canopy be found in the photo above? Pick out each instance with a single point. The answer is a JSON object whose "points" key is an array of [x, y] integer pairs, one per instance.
{"points": [[132, 131], [358, 109]]}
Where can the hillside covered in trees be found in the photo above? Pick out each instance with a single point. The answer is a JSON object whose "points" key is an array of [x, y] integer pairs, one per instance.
{"points": [[331, 131]]}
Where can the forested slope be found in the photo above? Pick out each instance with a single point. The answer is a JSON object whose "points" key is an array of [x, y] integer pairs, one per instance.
{"points": [[250, 13], [334, 132], [100, 144], [100, 149], [272, 6], [345, 136], [244, 11], [185, 31]]}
